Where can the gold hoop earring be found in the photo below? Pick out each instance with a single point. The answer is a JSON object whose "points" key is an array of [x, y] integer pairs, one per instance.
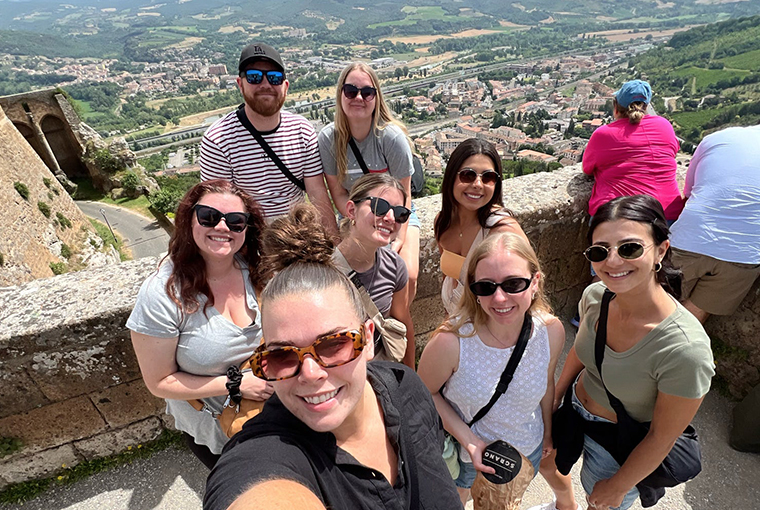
{"points": [[657, 267], [353, 223], [478, 300]]}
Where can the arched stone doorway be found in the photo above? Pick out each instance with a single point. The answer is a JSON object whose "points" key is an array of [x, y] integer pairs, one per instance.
{"points": [[64, 149], [28, 133]]}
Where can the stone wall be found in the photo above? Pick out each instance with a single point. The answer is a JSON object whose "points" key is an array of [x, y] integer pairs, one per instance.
{"points": [[30, 241], [70, 385]]}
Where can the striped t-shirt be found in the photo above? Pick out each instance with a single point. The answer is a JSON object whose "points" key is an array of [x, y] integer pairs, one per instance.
{"points": [[229, 151]]}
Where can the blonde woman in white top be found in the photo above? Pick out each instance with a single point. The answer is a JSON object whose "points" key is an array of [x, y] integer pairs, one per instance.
{"points": [[466, 356]]}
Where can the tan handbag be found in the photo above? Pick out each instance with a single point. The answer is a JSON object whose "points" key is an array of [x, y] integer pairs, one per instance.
{"points": [[233, 416], [392, 331]]}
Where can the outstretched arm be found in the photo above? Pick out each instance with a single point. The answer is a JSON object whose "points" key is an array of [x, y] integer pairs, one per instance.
{"points": [[315, 188], [277, 495]]}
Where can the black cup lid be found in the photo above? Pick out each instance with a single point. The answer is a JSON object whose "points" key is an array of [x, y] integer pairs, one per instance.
{"points": [[505, 459]]}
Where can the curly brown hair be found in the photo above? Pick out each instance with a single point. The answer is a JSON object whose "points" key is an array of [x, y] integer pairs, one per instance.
{"points": [[188, 278]]}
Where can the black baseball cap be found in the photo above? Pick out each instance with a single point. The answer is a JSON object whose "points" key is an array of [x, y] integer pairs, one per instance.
{"points": [[257, 51]]}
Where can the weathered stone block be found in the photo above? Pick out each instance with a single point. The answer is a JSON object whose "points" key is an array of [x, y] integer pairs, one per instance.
{"points": [[69, 373], [39, 465], [127, 403], [428, 313], [117, 441], [18, 393], [53, 425]]}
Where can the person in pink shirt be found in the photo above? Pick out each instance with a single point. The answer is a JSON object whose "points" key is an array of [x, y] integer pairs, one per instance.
{"points": [[635, 154]]}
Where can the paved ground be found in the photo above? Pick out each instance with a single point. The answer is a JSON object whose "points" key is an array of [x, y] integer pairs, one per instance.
{"points": [[142, 236], [174, 479]]}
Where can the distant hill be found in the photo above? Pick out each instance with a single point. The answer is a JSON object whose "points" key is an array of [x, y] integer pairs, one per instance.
{"points": [[712, 74]]}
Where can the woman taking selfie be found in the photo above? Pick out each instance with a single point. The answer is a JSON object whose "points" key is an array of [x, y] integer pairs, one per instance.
{"points": [[655, 357], [366, 138], [340, 432], [472, 207], [502, 312], [198, 314]]}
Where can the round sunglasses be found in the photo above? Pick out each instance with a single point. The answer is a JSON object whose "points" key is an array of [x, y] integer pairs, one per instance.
{"points": [[514, 285], [210, 217], [328, 351], [629, 250], [254, 77], [380, 207], [351, 91], [468, 176]]}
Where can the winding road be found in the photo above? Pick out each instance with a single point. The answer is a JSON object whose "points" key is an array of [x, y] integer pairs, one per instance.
{"points": [[142, 236]]}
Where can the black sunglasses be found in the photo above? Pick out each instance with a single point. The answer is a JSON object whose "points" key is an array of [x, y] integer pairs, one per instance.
{"points": [[254, 77], [210, 217], [630, 250], [380, 207], [350, 91], [328, 351], [468, 176], [510, 286]]}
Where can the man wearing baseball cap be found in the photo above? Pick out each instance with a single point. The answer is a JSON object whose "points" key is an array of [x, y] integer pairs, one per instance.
{"points": [[270, 153]]}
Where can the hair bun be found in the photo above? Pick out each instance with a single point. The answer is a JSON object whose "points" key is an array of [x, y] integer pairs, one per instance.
{"points": [[298, 237]]}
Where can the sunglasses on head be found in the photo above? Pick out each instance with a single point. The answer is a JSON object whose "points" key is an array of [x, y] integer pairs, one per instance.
{"points": [[513, 285], [254, 77], [350, 91], [380, 207], [328, 351], [210, 217], [629, 250], [468, 176]]}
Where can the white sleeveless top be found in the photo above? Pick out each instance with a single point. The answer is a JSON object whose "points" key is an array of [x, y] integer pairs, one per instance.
{"points": [[516, 417]]}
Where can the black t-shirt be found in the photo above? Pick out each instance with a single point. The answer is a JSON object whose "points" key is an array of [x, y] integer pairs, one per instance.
{"points": [[277, 445]]}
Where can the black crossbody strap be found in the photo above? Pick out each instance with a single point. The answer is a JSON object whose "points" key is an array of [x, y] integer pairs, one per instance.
{"points": [[358, 155], [601, 343], [243, 118], [509, 370]]}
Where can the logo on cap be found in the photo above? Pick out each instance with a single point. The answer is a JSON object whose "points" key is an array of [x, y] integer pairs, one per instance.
{"points": [[258, 50]]}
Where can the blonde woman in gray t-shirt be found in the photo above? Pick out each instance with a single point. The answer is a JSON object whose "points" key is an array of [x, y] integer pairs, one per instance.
{"points": [[198, 314], [362, 118], [657, 360]]}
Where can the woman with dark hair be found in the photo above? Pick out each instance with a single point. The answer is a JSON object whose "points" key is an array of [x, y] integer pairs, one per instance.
{"points": [[367, 138], [472, 207], [635, 154], [340, 432], [657, 359], [198, 314]]}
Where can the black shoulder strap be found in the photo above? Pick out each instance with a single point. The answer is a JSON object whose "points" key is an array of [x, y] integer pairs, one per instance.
{"points": [[243, 118], [601, 343], [509, 370], [405, 439], [358, 155]]}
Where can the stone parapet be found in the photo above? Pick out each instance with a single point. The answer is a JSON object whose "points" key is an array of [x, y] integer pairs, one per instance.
{"points": [[70, 386]]}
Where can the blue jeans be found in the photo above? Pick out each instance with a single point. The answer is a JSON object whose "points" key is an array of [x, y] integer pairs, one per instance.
{"points": [[467, 471], [414, 220], [598, 464]]}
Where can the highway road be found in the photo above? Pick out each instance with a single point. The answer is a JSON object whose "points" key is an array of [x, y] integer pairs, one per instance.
{"points": [[142, 236]]}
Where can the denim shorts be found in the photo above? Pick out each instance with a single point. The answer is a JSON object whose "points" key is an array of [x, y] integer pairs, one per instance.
{"points": [[414, 220], [598, 463], [467, 471]]}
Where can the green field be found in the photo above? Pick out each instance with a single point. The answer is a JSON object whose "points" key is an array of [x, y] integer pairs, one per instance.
{"points": [[749, 60], [414, 14], [159, 38], [690, 120], [705, 77]]}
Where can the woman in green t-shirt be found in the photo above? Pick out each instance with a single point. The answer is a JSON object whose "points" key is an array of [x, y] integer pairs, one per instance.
{"points": [[657, 360]]}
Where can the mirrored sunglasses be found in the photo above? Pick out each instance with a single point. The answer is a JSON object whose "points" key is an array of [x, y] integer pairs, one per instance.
{"points": [[510, 286], [254, 77], [468, 176], [210, 217], [380, 207], [351, 91], [630, 250], [328, 351]]}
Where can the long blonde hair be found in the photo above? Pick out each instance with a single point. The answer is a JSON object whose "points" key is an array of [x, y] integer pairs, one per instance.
{"points": [[468, 308], [381, 117]]}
